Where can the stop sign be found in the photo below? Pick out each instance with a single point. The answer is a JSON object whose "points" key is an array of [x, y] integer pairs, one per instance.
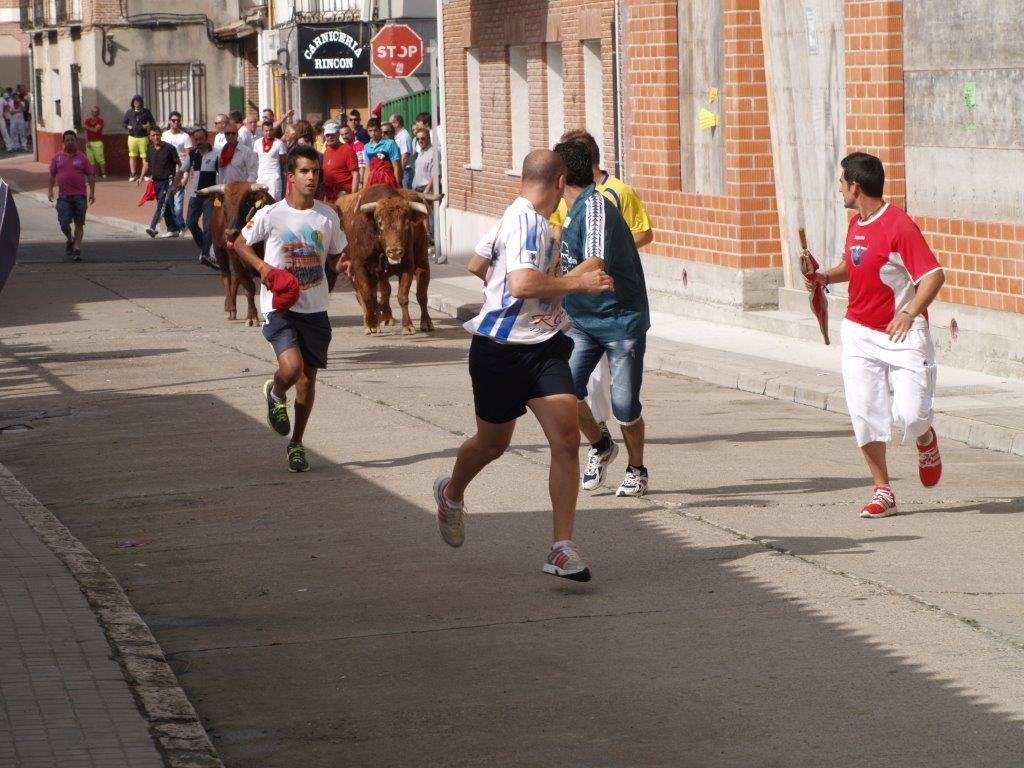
{"points": [[396, 51]]}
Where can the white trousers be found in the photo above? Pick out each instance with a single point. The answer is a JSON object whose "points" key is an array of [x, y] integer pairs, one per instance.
{"points": [[871, 365], [4, 134], [272, 183], [19, 133], [599, 391]]}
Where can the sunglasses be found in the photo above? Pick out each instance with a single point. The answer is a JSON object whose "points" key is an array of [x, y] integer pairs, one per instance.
{"points": [[230, 133]]}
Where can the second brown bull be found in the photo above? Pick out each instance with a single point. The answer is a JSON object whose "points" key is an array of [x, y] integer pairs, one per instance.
{"points": [[386, 230]]}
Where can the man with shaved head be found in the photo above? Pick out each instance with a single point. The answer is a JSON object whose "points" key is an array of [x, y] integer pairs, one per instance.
{"points": [[519, 357]]}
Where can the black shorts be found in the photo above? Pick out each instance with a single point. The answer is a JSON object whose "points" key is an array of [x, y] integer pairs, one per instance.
{"points": [[507, 376], [311, 333]]}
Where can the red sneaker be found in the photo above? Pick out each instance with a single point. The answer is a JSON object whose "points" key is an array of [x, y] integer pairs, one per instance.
{"points": [[929, 463], [882, 504]]}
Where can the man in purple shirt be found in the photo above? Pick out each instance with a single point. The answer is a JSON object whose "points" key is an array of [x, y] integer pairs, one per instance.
{"points": [[71, 170]]}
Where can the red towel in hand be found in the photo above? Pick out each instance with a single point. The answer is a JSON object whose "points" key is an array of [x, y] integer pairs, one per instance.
{"points": [[285, 288], [149, 193]]}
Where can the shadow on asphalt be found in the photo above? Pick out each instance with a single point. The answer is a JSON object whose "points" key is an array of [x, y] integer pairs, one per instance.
{"points": [[318, 620]]}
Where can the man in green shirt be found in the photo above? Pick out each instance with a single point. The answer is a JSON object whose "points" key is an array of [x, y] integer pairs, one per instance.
{"points": [[613, 322]]}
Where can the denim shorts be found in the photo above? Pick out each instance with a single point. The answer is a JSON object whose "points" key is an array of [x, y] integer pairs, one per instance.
{"points": [[71, 208], [310, 333], [626, 363]]}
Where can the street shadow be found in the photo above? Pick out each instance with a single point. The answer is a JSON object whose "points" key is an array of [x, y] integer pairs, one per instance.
{"points": [[828, 545], [763, 436], [782, 487], [318, 619], [983, 507]]}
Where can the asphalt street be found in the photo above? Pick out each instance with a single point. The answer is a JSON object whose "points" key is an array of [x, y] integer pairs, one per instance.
{"points": [[740, 615]]}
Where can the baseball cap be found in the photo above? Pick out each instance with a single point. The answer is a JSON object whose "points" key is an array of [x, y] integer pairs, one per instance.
{"points": [[285, 288], [331, 127]]}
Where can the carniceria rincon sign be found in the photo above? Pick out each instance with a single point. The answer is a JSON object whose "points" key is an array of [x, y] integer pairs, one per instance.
{"points": [[333, 51]]}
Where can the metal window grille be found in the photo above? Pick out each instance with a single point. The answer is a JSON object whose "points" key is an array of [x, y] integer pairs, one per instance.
{"points": [[38, 97], [76, 96], [174, 87]]}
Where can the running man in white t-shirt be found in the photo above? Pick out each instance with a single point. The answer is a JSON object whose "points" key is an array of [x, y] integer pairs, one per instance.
{"points": [[519, 358], [894, 277], [304, 237]]}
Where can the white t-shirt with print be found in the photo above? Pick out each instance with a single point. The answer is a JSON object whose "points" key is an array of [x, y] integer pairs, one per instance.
{"points": [[181, 141], [298, 241]]}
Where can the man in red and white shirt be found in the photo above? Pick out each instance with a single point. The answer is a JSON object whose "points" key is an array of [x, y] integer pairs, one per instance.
{"points": [[894, 277]]}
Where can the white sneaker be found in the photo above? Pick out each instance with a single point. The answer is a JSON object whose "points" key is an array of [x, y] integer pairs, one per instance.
{"points": [[170, 233], [634, 484], [597, 467], [565, 561], [449, 515]]}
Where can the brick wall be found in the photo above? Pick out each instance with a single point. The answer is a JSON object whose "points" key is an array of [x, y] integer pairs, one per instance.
{"points": [[984, 261]]}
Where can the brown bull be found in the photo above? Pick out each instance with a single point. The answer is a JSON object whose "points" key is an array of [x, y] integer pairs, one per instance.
{"points": [[233, 205], [386, 230]]}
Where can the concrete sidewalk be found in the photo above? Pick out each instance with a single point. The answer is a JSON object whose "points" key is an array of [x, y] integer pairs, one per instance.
{"points": [[978, 409]]}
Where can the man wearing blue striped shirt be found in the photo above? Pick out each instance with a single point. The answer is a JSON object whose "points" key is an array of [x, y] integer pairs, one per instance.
{"points": [[519, 358]]}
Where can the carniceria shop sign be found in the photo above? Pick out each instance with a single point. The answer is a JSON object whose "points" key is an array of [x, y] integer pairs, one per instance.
{"points": [[333, 51]]}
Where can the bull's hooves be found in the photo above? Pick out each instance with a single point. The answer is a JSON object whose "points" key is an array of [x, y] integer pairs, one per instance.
{"points": [[367, 331], [408, 330], [250, 322], [389, 321], [232, 316]]}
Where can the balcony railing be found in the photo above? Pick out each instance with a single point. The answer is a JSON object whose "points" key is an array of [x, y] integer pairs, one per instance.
{"points": [[320, 10]]}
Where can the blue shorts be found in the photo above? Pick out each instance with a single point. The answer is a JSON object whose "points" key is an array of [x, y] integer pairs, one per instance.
{"points": [[71, 208], [626, 362], [309, 333]]}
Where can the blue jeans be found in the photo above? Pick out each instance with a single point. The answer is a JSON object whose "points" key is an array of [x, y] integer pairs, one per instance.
{"points": [[179, 206], [410, 171], [71, 208], [200, 206], [163, 206], [626, 362], [430, 216]]}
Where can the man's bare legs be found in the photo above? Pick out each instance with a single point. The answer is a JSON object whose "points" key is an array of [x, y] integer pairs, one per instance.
{"points": [[874, 455], [558, 418], [488, 444], [633, 436], [305, 393]]}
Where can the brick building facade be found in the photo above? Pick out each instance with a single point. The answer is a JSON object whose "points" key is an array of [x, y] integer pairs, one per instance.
{"points": [[791, 89]]}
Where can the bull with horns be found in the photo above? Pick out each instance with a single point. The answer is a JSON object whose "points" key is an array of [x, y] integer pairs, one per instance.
{"points": [[387, 236], [234, 204]]}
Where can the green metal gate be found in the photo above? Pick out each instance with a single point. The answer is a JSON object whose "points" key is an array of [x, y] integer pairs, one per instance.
{"points": [[407, 106]]}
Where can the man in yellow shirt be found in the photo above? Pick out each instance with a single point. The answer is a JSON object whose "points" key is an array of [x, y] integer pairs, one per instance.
{"points": [[635, 215]]}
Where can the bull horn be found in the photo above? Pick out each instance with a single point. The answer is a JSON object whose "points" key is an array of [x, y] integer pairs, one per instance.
{"points": [[367, 207], [420, 208], [259, 187], [216, 189], [431, 198]]}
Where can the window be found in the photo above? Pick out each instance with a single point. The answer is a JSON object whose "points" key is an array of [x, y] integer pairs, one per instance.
{"points": [[519, 104], [476, 137], [37, 97], [55, 90], [167, 88], [556, 96], [593, 90]]}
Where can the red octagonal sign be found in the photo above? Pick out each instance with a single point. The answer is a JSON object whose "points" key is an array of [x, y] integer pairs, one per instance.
{"points": [[397, 51]]}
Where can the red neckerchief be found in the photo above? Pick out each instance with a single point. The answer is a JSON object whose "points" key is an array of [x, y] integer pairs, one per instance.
{"points": [[226, 154], [267, 143]]}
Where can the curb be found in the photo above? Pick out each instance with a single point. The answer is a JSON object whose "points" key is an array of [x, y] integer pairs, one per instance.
{"points": [[173, 722], [110, 221], [678, 359]]}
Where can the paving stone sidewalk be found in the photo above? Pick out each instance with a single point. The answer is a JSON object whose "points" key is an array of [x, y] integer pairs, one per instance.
{"points": [[63, 699]]}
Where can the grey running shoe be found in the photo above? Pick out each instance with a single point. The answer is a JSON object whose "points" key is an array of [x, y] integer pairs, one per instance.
{"points": [[76, 255], [277, 412], [449, 515], [635, 482], [69, 246], [597, 467], [564, 561], [151, 232], [297, 458]]}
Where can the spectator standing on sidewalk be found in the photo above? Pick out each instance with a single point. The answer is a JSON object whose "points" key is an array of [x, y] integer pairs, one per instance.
{"points": [[93, 125], [382, 158], [341, 168], [348, 138], [249, 131], [236, 162], [182, 143], [71, 170], [407, 146], [610, 323], [220, 124], [163, 165], [18, 125], [355, 122], [425, 165], [5, 112], [270, 158], [137, 121], [202, 173]]}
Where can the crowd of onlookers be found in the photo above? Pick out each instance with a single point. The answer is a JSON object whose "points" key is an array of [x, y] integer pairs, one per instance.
{"points": [[178, 161], [15, 119]]}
